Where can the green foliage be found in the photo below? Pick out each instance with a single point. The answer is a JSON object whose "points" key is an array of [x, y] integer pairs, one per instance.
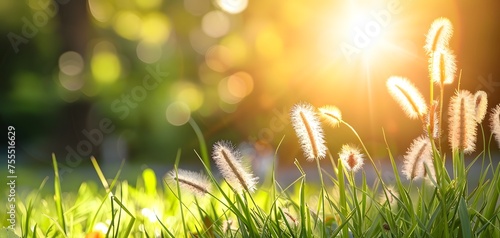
{"points": [[7, 233], [446, 207]]}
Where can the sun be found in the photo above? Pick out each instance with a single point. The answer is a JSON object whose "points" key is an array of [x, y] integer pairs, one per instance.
{"points": [[367, 29]]}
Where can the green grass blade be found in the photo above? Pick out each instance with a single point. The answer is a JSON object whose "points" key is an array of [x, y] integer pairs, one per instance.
{"points": [[164, 227], [29, 209], [201, 140], [130, 225], [464, 218], [302, 203], [149, 178], [106, 186], [176, 164], [342, 197], [57, 195]]}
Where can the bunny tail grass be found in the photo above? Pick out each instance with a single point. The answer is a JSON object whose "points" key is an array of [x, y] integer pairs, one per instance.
{"points": [[309, 131], [230, 165], [442, 66], [418, 158], [407, 95], [351, 157], [495, 123], [190, 181], [439, 35], [330, 114], [462, 122], [480, 105]]}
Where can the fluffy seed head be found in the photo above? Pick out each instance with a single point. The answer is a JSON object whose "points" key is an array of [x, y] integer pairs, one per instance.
{"points": [[480, 105], [190, 181], [230, 165], [418, 158], [442, 66], [308, 130], [439, 35], [432, 121], [330, 114], [408, 96], [462, 122], [495, 123], [351, 157]]}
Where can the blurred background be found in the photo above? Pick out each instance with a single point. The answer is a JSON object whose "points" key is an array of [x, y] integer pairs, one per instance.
{"points": [[121, 80]]}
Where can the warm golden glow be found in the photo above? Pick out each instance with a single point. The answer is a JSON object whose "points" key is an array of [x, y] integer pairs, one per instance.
{"points": [[219, 58], [269, 43], [235, 87]]}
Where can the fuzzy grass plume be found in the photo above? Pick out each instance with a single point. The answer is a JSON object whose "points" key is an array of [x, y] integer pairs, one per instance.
{"points": [[330, 114], [351, 157], [480, 105], [229, 162], [190, 181], [495, 123], [418, 159], [408, 97], [439, 35], [462, 122], [442, 66], [309, 131]]}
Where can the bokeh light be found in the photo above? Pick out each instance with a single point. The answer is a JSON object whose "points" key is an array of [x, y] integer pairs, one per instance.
{"points": [[188, 93], [240, 84], [71, 63], [235, 87], [149, 52], [215, 24], [219, 58], [71, 66], [102, 11], [71, 83], [105, 64], [232, 6], [178, 113], [155, 28], [128, 25]]}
